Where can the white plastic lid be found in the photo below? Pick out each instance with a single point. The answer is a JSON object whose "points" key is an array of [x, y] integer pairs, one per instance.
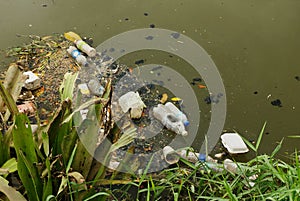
{"points": [[234, 143]]}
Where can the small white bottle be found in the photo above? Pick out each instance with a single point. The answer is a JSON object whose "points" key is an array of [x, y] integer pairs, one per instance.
{"points": [[84, 47], [169, 120], [77, 55], [177, 113]]}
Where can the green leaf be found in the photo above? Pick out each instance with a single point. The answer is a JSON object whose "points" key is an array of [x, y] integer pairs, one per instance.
{"points": [[10, 166], [9, 191], [58, 132], [48, 190], [89, 130], [45, 140], [67, 87], [26, 157], [71, 159]]}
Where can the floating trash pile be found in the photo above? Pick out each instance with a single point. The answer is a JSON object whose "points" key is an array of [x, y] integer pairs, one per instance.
{"points": [[41, 67]]}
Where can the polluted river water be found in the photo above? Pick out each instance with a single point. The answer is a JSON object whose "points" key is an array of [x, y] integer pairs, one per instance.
{"points": [[254, 44]]}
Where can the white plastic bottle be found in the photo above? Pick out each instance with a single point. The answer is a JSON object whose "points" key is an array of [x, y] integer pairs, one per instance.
{"points": [[77, 55], [177, 113], [169, 120], [84, 47]]}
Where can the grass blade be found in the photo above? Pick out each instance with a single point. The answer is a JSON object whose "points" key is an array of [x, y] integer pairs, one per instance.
{"points": [[260, 136], [278, 147]]}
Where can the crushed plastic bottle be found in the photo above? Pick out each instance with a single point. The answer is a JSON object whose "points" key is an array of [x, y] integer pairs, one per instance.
{"points": [[177, 113], [84, 47], [133, 101], [95, 87], [73, 51], [169, 120], [80, 44]]}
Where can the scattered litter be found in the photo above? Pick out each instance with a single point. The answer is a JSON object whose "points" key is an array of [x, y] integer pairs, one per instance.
{"points": [[138, 62], [27, 108], [149, 38], [180, 115], [84, 47], [213, 98], [84, 89], [175, 99], [33, 82], [84, 113], [175, 35], [200, 86], [234, 143], [220, 155], [231, 166], [80, 44], [133, 102], [157, 68], [170, 156], [73, 51], [164, 98], [276, 102], [95, 87], [169, 119]]}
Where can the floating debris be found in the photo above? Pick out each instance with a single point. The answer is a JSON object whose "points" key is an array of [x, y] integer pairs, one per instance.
{"points": [[156, 68], [133, 102], [176, 99], [33, 81], [213, 99], [234, 143], [73, 51], [170, 156], [27, 108], [152, 25], [84, 89], [200, 86], [276, 102], [170, 119], [149, 38], [95, 87], [164, 98], [175, 35], [197, 79], [138, 62], [297, 78]]}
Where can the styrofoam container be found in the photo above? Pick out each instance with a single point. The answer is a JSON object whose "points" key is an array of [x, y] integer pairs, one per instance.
{"points": [[234, 143]]}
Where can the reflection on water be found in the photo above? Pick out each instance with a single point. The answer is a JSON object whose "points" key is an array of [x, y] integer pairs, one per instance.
{"points": [[254, 44]]}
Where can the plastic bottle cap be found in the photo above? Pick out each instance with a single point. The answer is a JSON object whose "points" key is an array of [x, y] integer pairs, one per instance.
{"points": [[75, 53], [186, 123], [202, 157]]}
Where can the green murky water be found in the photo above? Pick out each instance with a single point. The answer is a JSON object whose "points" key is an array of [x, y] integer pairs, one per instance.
{"points": [[255, 45]]}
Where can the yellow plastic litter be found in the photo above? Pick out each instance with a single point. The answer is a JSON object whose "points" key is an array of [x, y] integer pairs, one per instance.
{"points": [[164, 98], [176, 99], [71, 36]]}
